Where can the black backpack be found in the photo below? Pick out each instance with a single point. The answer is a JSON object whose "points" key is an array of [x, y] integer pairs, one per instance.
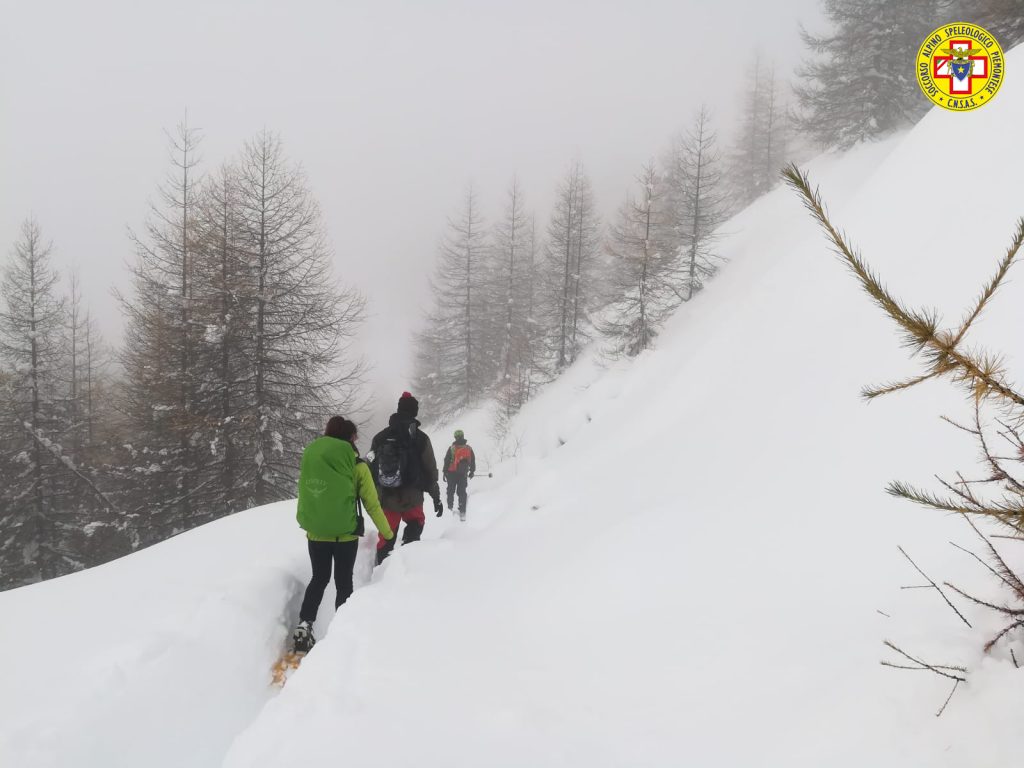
{"points": [[395, 462]]}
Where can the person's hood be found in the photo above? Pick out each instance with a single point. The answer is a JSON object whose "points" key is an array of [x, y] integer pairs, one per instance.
{"points": [[460, 441]]}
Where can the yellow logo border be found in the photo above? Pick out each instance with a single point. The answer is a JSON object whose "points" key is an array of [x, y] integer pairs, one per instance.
{"points": [[932, 45]]}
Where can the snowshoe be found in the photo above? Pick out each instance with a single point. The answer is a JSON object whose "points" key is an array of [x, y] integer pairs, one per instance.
{"points": [[302, 641], [284, 667]]}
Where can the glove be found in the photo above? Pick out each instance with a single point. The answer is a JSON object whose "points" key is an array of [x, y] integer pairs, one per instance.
{"points": [[438, 507], [471, 475]]}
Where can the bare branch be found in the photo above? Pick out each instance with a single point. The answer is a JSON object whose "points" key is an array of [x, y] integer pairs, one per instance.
{"points": [[942, 670], [997, 638], [936, 586], [946, 703]]}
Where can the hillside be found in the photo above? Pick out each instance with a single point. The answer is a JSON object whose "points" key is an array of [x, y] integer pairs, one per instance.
{"points": [[690, 560]]}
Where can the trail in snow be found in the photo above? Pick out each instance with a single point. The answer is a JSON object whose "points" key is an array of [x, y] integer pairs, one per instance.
{"points": [[163, 657]]}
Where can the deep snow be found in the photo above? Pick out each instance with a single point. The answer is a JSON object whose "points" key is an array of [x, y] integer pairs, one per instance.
{"points": [[683, 564]]}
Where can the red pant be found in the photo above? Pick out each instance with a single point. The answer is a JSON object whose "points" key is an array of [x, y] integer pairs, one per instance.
{"points": [[414, 522]]}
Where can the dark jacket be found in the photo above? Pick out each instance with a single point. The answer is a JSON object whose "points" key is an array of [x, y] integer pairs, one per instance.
{"points": [[467, 460], [405, 499]]}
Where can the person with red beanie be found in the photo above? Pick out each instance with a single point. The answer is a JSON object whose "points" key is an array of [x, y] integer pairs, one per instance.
{"points": [[404, 468]]}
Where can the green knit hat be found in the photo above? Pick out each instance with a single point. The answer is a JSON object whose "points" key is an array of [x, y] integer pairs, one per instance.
{"points": [[459, 434]]}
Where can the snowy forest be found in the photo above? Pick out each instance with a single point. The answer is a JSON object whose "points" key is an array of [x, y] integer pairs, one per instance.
{"points": [[238, 337]]}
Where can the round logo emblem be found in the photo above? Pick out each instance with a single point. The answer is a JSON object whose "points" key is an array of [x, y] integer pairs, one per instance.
{"points": [[960, 67]]}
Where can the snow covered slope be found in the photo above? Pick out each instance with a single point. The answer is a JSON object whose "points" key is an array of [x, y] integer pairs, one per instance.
{"points": [[689, 560], [157, 659]]}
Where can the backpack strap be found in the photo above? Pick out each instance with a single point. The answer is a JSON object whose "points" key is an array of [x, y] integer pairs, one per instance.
{"points": [[359, 501], [360, 522]]}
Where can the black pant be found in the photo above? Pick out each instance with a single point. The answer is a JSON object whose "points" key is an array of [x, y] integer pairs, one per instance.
{"points": [[321, 554], [457, 482]]}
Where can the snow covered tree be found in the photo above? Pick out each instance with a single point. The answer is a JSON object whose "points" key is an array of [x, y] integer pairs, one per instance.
{"points": [[509, 250], [301, 324], [696, 201], [160, 344], [95, 382], [237, 341], [224, 314], [16, 535], [570, 271], [145, 463], [87, 526], [646, 278], [760, 149], [1003, 18], [458, 357], [513, 252], [858, 82], [31, 321], [533, 345], [776, 130], [83, 366]]}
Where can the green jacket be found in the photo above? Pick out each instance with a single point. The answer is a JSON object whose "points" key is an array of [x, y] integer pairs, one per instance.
{"points": [[331, 478]]}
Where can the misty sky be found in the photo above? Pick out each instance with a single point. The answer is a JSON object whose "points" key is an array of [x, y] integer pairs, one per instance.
{"points": [[392, 107]]}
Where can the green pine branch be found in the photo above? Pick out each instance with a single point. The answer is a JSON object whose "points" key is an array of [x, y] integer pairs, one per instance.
{"points": [[980, 374], [943, 354], [994, 283], [1009, 513]]}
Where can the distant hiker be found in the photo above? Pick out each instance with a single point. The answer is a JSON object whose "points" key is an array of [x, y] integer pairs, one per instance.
{"points": [[459, 468], [332, 481], [405, 468]]}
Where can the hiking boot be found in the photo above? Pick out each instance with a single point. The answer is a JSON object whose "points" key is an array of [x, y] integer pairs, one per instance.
{"points": [[302, 638]]}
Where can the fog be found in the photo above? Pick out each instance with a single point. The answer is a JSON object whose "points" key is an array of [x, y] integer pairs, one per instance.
{"points": [[391, 107]]}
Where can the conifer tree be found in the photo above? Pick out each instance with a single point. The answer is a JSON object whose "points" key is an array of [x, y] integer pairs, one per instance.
{"points": [[776, 130], [95, 381], [858, 81], [457, 359], [160, 345], [696, 202], [646, 277], [530, 368], [513, 251], [747, 162], [759, 152], [571, 269], [225, 312], [1005, 18], [87, 526], [533, 356], [301, 323], [80, 371], [31, 320]]}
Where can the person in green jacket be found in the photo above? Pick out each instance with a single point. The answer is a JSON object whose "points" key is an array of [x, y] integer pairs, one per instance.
{"points": [[332, 482]]}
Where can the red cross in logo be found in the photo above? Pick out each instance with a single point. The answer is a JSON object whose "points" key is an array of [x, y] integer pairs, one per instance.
{"points": [[945, 68]]}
